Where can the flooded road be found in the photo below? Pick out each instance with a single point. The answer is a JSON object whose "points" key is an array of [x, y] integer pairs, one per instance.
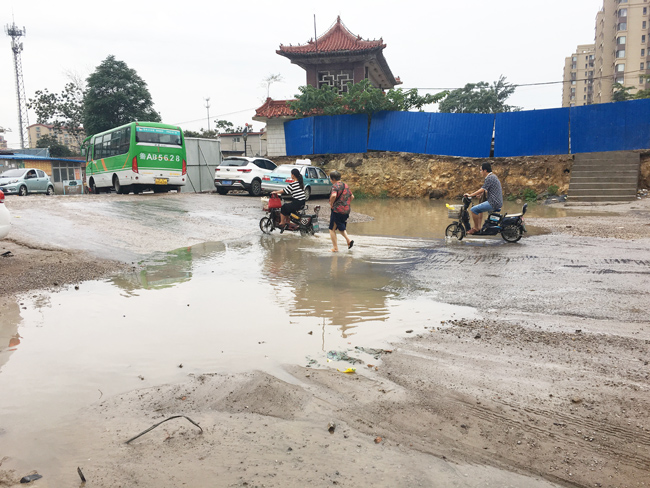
{"points": [[247, 301]]}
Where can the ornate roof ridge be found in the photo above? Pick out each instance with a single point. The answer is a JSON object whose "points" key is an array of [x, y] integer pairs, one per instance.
{"points": [[337, 38]]}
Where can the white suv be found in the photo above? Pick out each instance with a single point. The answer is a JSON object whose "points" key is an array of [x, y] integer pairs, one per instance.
{"points": [[240, 172]]}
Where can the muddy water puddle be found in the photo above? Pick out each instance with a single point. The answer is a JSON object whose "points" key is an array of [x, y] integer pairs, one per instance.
{"points": [[428, 218], [256, 303]]}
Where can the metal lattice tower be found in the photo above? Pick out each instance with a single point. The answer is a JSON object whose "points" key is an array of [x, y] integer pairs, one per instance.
{"points": [[16, 46]]}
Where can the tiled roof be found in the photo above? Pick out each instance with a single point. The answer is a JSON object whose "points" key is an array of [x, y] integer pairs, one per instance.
{"points": [[337, 39], [275, 108]]}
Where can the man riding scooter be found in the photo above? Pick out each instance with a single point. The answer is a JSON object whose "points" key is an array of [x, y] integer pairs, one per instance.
{"points": [[491, 187]]}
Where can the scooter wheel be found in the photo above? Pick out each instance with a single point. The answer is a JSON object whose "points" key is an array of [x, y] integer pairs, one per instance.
{"points": [[307, 231], [266, 225], [511, 233], [455, 231]]}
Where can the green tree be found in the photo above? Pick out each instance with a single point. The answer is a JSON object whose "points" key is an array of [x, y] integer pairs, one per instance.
{"points": [[116, 95], [62, 110], [480, 98], [57, 150], [621, 93], [361, 98], [203, 134]]}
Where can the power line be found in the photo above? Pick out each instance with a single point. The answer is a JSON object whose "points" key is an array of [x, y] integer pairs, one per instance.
{"points": [[219, 115], [517, 85]]}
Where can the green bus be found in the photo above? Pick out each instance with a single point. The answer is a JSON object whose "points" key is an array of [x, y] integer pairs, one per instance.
{"points": [[136, 157]]}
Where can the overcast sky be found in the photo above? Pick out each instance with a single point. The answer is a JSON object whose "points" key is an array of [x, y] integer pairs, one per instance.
{"points": [[189, 50]]}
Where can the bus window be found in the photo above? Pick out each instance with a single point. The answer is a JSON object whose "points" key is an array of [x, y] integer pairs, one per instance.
{"points": [[150, 135]]}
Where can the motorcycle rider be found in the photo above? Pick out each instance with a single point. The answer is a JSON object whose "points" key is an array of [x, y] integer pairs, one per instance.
{"points": [[492, 187]]}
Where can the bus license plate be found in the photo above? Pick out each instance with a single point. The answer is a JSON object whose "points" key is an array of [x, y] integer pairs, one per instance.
{"points": [[161, 181]]}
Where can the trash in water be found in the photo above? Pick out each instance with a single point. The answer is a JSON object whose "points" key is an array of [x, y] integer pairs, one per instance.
{"points": [[342, 356], [373, 352], [30, 477], [348, 371]]}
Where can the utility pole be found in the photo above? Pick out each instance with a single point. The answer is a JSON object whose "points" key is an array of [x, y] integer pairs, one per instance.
{"points": [[207, 105], [16, 46]]}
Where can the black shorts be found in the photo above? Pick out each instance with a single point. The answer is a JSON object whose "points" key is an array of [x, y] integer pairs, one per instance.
{"points": [[340, 219], [292, 206]]}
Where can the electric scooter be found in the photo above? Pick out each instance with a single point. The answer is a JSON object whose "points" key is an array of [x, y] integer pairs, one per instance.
{"points": [[301, 221], [510, 226]]}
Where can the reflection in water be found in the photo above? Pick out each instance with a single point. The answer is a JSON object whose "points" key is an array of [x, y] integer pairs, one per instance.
{"points": [[164, 270], [426, 218], [9, 337], [338, 287]]}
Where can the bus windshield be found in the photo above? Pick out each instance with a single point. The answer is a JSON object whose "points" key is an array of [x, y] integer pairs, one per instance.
{"points": [[155, 136]]}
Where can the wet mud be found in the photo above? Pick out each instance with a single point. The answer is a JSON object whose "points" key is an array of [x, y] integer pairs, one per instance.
{"points": [[510, 365]]}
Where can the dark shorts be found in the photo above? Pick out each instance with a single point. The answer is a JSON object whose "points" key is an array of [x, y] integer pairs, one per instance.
{"points": [[338, 219], [292, 206]]}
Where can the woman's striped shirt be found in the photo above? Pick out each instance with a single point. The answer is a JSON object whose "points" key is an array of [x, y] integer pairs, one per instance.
{"points": [[295, 191]]}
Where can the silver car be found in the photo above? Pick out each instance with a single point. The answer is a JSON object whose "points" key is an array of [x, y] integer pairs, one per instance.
{"points": [[25, 180]]}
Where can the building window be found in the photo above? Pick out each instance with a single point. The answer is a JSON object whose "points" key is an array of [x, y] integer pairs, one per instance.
{"points": [[622, 12], [573, 82], [644, 25], [620, 68], [622, 1], [643, 39], [622, 26], [621, 40], [620, 53], [645, 10], [620, 80], [642, 52], [642, 66]]}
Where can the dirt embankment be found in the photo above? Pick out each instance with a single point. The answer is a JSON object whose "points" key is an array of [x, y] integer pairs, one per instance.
{"points": [[407, 175]]}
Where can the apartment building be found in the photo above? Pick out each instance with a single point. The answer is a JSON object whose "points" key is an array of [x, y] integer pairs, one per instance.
{"points": [[578, 86], [622, 36], [36, 131]]}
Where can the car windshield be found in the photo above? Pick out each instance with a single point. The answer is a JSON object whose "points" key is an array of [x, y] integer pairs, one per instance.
{"points": [[13, 173], [234, 162]]}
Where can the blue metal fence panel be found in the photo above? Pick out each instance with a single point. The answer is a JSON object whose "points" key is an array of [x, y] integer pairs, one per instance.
{"points": [[399, 131], [637, 124], [337, 134], [468, 135], [596, 128], [619, 126], [299, 136], [532, 133]]}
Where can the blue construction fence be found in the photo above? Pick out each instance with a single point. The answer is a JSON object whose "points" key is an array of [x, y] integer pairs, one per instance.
{"points": [[620, 126]]}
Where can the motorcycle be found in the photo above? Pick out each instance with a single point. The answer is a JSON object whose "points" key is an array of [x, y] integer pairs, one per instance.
{"points": [[510, 226], [301, 221]]}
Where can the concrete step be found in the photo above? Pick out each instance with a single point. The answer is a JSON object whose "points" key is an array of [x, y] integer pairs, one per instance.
{"points": [[601, 193], [598, 186], [624, 179], [604, 198], [604, 166], [607, 155]]}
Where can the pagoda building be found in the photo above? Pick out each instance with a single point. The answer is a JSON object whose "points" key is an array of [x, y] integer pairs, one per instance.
{"points": [[339, 57], [336, 58]]}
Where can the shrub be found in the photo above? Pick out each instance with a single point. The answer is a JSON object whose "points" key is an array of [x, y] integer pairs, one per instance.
{"points": [[553, 189]]}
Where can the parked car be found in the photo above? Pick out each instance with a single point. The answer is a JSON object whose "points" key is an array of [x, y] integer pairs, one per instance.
{"points": [[240, 172], [25, 180], [315, 180], [5, 218]]}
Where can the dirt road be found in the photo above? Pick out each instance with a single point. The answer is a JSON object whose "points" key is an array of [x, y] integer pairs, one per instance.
{"points": [[549, 388]]}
